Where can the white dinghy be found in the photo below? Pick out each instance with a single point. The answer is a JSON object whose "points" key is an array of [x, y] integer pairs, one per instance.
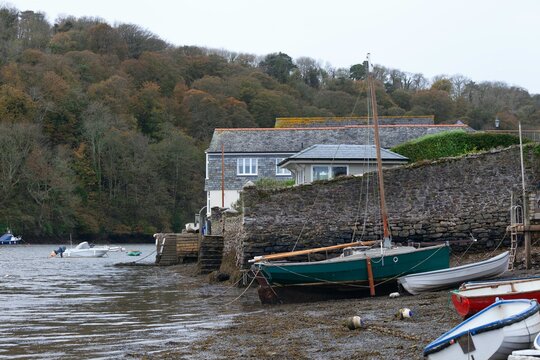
{"points": [[85, 250], [446, 278], [493, 333]]}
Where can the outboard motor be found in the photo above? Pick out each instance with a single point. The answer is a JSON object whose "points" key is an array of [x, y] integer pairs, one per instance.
{"points": [[60, 251]]}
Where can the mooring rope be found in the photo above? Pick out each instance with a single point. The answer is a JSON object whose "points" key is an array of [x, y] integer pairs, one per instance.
{"points": [[227, 289], [467, 249], [243, 292], [498, 245]]}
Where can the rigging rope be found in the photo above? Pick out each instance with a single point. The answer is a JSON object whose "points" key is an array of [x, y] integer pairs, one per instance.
{"points": [[367, 177], [315, 201]]}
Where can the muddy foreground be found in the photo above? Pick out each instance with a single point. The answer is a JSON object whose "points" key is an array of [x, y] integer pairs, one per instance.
{"points": [[317, 330]]}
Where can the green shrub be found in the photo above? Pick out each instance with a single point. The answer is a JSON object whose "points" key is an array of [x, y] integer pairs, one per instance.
{"points": [[453, 143], [273, 184]]}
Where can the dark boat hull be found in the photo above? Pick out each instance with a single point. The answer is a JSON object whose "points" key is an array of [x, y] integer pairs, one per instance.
{"points": [[309, 293], [344, 277]]}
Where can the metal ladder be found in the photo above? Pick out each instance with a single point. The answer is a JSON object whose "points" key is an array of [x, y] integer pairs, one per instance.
{"points": [[516, 219]]}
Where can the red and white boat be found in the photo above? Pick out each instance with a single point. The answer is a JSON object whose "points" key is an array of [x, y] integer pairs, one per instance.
{"points": [[473, 297]]}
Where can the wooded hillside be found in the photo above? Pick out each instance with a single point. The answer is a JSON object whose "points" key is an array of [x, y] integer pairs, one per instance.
{"points": [[103, 128]]}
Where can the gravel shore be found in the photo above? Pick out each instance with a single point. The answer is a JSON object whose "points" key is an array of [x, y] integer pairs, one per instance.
{"points": [[318, 331]]}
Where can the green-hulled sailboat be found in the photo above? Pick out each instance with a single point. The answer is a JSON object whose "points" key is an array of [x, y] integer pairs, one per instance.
{"points": [[361, 268]]}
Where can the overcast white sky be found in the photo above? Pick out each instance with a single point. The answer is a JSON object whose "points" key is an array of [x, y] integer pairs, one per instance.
{"points": [[485, 40]]}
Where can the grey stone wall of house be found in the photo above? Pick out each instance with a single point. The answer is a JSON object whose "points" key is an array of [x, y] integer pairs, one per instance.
{"points": [[266, 169], [294, 140], [450, 199], [247, 143]]}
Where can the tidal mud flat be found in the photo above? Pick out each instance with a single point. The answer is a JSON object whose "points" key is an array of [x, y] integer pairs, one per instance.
{"points": [[318, 330]]}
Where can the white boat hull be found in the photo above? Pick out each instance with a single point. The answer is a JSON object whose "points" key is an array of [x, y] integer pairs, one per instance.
{"points": [[93, 252], [473, 339], [14, 240], [9, 239], [85, 250], [443, 279]]}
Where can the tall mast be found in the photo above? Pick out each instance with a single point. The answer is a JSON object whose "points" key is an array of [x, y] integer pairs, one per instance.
{"points": [[384, 213], [526, 234]]}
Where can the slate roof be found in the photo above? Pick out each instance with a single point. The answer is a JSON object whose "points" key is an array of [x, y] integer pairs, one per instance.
{"points": [[293, 140], [344, 152]]}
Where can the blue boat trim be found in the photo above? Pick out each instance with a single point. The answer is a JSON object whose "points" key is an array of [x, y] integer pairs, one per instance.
{"points": [[9, 239], [441, 342]]}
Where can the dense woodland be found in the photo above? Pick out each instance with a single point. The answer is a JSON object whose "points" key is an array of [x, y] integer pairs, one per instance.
{"points": [[103, 128]]}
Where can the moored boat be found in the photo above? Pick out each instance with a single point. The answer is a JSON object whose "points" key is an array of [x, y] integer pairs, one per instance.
{"points": [[85, 250], [344, 276], [493, 333], [134, 253], [357, 269], [443, 279], [471, 298], [9, 239], [116, 248]]}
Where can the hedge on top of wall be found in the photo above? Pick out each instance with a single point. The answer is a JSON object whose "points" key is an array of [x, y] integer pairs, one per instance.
{"points": [[453, 143]]}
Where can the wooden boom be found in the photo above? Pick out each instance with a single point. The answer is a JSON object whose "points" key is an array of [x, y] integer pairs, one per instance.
{"points": [[310, 251]]}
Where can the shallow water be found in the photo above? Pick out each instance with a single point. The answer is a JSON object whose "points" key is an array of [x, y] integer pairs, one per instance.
{"points": [[90, 309]]}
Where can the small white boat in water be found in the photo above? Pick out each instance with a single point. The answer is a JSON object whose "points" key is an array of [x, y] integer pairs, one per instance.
{"points": [[116, 249], [9, 239], [446, 278], [493, 333], [85, 250]]}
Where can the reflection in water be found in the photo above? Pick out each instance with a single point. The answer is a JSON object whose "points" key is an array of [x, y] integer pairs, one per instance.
{"points": [[87, 308]]}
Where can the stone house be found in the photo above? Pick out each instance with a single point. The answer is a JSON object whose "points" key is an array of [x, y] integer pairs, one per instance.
{"points": [[236, 156]]}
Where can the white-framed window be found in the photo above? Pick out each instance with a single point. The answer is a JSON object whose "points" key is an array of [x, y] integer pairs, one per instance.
{"points": [[340, 171], [281, 171], [325, 172], [320, 172], [246, 166]]}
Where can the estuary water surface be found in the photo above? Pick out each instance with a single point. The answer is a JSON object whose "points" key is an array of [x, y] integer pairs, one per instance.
{"points": [[89, 309]]}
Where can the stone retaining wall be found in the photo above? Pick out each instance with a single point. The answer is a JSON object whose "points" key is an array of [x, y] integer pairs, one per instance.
{"points": [[446, 200]]}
